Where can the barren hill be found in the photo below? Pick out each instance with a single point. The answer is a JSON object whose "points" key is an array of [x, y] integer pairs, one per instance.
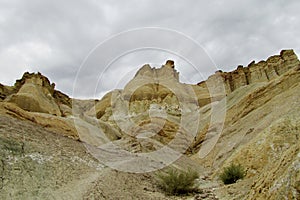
{"points": [[55, 147]]}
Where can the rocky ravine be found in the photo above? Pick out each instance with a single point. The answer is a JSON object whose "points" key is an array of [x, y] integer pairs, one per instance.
{"points": [[256, 122]]}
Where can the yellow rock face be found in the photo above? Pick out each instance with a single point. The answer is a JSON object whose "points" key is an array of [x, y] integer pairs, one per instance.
{"points": [[32, 98], [34, 93]]}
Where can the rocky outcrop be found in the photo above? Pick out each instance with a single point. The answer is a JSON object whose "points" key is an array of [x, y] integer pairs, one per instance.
{"points": [[100, 107], [34, 93], [151, 83], [5, 91], [262, 71], [159, 86]]}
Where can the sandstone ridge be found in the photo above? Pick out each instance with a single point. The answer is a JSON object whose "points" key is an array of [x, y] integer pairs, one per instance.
{"points": [[262, 71], [34, 93]]}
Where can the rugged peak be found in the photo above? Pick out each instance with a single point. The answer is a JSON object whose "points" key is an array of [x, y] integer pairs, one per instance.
{"points": [[146, 70], [285, 54], [34, 92], [150, 86], [263, 71], [170, 63], [42, 81], [37, 79], [149, 82], [166, 71]]}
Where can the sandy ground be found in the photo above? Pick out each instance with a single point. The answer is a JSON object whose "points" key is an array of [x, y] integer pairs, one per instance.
{"points": [[39, 164]]}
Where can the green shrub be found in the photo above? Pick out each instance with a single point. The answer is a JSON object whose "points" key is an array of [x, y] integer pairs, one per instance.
{"points": [[232, 173], [176, 182]]}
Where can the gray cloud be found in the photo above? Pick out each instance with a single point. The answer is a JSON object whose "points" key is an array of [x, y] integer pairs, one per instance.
{"points": [[54, 37]]}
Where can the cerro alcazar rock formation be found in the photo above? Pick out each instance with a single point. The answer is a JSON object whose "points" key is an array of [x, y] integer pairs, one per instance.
{"points": [[48, 139]]}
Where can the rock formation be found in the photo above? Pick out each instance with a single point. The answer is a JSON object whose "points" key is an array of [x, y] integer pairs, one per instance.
{"points": [[262, 71], [149, 86], [248, 116], [34, 93]]}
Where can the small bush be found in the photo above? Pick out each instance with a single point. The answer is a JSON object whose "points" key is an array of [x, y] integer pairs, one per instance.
{"points": [[176, 182], [232, 173]]}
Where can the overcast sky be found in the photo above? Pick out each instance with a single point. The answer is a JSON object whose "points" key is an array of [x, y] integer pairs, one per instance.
{"points": [[92, 38]]}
